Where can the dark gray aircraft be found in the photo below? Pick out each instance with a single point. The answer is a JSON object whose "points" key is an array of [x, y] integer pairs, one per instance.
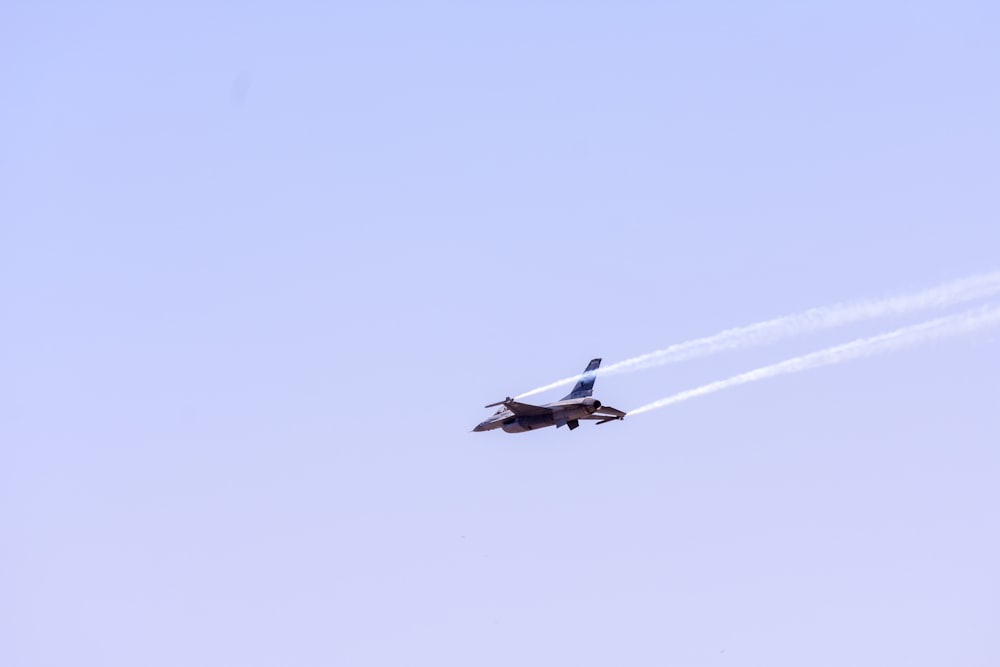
{"points": [[516, 417]]}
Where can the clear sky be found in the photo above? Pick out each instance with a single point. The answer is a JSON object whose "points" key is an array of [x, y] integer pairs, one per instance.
{"points": [[262, 264]]}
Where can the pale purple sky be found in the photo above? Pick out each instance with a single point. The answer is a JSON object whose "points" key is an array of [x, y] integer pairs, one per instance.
{"points": [[262, 264]]}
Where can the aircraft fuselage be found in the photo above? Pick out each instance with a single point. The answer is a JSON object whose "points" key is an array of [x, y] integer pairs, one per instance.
{"points": [[563, 413]]}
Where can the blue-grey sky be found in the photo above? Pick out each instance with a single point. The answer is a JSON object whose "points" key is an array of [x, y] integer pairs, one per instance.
{"points": [[261, 264]]}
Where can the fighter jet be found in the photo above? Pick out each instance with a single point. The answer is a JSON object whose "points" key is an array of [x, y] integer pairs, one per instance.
{"points": [[516, 417]]}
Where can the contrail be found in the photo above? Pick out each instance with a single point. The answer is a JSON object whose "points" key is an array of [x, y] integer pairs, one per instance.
{"points": [[814, 319], [967, 322]]}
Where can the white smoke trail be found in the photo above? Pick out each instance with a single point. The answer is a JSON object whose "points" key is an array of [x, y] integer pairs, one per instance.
{"points": [[967, 322], [814, 319]]}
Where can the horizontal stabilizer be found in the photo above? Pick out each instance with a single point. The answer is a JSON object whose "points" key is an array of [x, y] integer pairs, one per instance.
{"points": [[607, 414]]}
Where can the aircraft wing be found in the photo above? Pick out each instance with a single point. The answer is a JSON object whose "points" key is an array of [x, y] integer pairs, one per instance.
{"points": [[526, 409], [522, 409]]}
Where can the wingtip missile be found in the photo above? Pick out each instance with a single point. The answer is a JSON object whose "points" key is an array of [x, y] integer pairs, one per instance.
{"points": [[503, 402]]}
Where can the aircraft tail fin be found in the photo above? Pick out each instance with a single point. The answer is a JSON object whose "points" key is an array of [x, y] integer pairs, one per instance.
{"points": [[585, 386]]}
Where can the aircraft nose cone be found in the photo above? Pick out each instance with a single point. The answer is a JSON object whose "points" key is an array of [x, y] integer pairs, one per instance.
{"points": [[479, 427]]}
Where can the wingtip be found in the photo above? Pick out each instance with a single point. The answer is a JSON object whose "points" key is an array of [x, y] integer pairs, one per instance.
{"points": [[503, 402]]}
